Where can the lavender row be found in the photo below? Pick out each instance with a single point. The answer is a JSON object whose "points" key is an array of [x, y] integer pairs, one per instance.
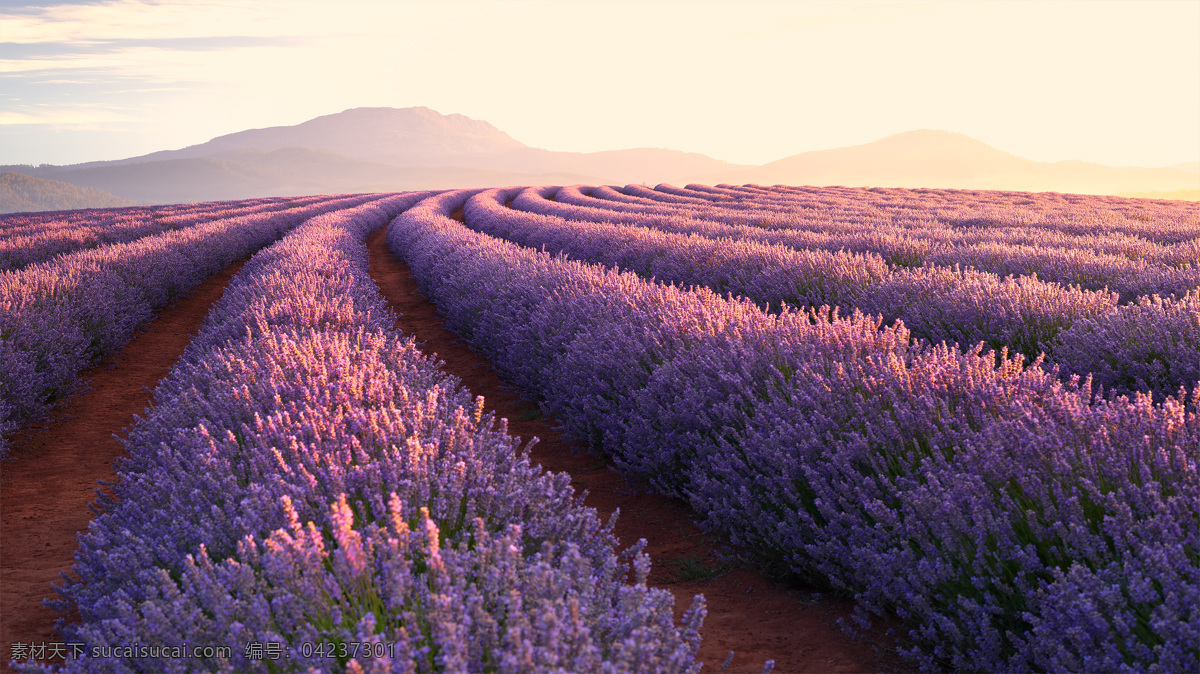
{"points": [[767, 274], [1154, 232], [915, 235], [1137, 221], [1009, 520], [22, 248], [59, 317], [1139, 268], [1159, 221], [1141, 347], [1125, 350], [963, 307], [29, 223], [1152, 345], [971, 220], [308, 476], [23, 222]]}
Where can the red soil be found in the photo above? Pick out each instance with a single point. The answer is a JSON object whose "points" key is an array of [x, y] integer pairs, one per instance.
{"points": [[755, 617], [47, 484]]}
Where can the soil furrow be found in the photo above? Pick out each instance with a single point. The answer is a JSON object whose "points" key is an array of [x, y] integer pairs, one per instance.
{"points": [[51, 475], [755, 617]]}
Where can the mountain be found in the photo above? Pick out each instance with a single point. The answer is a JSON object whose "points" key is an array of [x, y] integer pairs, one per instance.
{"points": [[1174, 195], [389, 149], [285, 172], [942, 159], [20, 193], [400, 137], [368, 150], [420, 137]]}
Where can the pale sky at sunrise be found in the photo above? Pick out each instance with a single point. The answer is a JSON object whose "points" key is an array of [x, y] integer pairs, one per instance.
{"points": [[1105, 81]]}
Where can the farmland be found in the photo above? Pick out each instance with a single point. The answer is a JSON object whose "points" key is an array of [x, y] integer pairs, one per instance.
{"points": [[974, 414]]}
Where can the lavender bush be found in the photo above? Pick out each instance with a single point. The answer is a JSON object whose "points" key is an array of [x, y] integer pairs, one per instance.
{"points": [[1123, 245], [59, 317], [1153, 346], [769, 274], [308, 476], [963, 307], [1010, 520], [44, 238]]}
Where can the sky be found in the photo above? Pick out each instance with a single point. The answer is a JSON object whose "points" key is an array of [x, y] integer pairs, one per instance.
{"points": [[1106, 81]]}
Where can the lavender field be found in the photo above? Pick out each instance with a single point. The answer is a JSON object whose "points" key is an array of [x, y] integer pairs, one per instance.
{"points": [[976, 413]]}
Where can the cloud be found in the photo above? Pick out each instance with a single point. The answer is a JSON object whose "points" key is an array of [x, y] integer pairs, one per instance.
{"points": [[49, 50], [154, 23], [98, 64], [83, 117], [156, 42], [34, 6]]}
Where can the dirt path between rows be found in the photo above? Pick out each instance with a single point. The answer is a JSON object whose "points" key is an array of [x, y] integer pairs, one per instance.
{"points": [[51, 477], [749, 614]]}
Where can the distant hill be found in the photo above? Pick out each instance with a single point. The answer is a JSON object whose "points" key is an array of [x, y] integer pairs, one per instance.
{"points": [[287, 172], [20, 193], [420, 137], [368, 150], [943, 159], [389, 149], [399, 137], [1177, 195]]}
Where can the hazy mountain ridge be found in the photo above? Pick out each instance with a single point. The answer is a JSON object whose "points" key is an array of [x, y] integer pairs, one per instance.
{"points": [[285, 172], [24, 193], [402, 137], [388, 149], [1174, 195], [943, 159]]}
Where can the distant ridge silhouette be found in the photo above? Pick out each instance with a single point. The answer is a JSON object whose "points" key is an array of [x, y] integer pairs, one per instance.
{"points": [[391, 149], [397, 136], [22, 193], [943, 159]]}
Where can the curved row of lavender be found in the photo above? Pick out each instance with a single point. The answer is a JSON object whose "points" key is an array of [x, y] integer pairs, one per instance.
{"points": [[1131, 348], [26, 223], [1152, 345], [1143, 349], [308, 476], [937, 304], [1088, 240], [1133, 228], [23, 224], [59, 317], [975, 215], [1133, 265], [76, 230], [1149, 344], [17, 223], [1009, 520]]}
